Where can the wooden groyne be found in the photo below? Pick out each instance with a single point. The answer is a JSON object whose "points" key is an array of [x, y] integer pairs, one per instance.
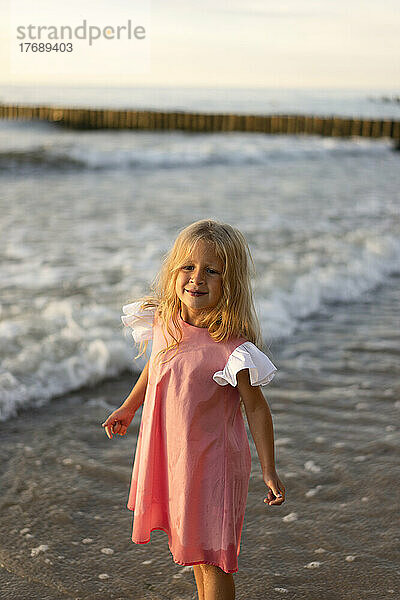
{"points": [[83, 118]]}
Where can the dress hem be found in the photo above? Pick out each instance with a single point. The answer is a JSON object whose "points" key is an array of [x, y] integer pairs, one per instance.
{"points": [[185, 564]]}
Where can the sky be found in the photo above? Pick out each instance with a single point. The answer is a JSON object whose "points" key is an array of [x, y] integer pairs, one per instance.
{"points": [[257, 44]]}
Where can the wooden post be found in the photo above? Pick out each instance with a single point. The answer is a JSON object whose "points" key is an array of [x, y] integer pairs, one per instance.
{"points": [[396, 130], [366, 129], [156, 120], [299, 123], [376, 128], [283, 124], [291, 124], [316, 126], [386, 128], [224, 122], [327, 126], [346, 127], [274, 124], [356, 127]]}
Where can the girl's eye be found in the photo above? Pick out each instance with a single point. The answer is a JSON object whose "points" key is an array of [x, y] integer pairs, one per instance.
{"points": [[209, 269]]}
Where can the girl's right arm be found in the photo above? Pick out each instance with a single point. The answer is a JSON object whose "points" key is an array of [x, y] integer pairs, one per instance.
{"points": [[119, 421]]}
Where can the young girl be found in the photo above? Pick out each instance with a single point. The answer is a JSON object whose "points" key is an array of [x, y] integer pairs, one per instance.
{"points": [[192, 463]]}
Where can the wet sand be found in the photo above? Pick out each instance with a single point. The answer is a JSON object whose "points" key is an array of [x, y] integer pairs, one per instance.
{"points": [[65, 529]]}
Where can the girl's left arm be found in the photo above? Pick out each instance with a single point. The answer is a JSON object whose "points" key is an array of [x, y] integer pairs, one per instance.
{"points": [[260, 424]]}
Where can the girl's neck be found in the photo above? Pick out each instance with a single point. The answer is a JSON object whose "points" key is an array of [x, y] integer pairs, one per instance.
{"points": [[190, 318]]}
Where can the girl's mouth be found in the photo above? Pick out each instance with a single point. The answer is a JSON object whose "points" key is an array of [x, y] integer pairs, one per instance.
{"points": [[195, 293]]}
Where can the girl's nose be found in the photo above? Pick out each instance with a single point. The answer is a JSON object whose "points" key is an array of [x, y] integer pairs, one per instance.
{"points": [[196, 278]]}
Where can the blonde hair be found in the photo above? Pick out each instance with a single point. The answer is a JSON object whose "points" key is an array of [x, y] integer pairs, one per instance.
{"points": [[234, 315]]}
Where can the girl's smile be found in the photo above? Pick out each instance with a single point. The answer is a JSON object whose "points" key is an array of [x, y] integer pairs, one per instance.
{"points": [[195, 293]]}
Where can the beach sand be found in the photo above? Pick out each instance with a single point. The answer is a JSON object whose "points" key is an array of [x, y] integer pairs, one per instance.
{"points": [[65, 531]]}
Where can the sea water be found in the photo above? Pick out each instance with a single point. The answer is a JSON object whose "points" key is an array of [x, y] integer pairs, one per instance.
{"points": [[86, 217]]}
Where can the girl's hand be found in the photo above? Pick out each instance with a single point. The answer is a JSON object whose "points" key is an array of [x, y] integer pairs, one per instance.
{"points": [[119, 421], [276, 492]]}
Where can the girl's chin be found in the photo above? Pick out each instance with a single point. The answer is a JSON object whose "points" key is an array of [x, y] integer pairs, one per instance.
{"points": [[195, 301]]}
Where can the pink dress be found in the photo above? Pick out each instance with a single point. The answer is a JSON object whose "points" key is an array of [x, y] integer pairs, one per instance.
{"points": [[192, 462]]}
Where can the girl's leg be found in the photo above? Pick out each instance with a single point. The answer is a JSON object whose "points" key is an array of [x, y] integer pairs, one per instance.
{"points": [[218, 585], [198, 575]]}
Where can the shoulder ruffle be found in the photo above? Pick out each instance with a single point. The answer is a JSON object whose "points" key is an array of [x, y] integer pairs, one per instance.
{"points": [[140, 320], [246, 356]]}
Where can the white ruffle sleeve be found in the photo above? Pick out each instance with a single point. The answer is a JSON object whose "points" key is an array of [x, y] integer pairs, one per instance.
{"points": [[246, 356], [140, 320]]}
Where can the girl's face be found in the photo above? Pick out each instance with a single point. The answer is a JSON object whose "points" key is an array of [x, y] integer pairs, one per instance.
{"points": [[202, 273]]}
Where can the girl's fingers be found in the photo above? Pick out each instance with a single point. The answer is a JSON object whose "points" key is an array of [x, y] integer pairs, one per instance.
{"points": [[109, 427], [278, 501], [113, 427], [275, 495]]}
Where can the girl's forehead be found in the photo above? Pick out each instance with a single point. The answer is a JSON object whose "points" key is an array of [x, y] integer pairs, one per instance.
{"points": [[203, 251]]}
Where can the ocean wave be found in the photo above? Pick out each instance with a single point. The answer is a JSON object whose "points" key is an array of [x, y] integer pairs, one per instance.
{"points": [[330, 284], [84, 344], [38, 157], [177, 149]]}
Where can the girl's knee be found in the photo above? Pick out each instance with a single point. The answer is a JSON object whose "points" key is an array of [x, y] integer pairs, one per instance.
{"points": [[206, 568]]}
